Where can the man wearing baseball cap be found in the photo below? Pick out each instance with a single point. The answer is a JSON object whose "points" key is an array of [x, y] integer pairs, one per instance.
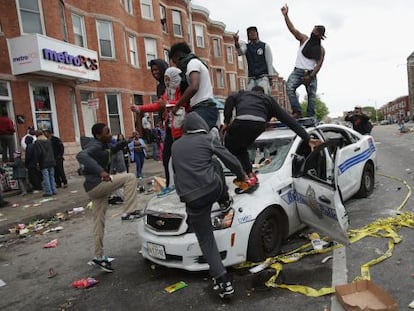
{"points": [[308, 63], [259, 59]]}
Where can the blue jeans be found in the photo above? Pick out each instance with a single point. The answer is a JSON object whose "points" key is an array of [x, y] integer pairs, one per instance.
{"points": [[209, 114], [139, 158], [294, 81], [49, 180], [155, 151], [263, 82]]}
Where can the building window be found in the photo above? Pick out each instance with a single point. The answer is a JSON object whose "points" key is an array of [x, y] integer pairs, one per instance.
{"points": [[240, 62], [4, 89], [79, 33], [216, 47], [31, 18], [230, 58], [150, 49], [138, 99], [163, 14], [63, 20], [133, 54], [232, 80], [167, 56], [128, 6], [220, 78], [106, 39], [199, 32], [177, 26], [114, 119], [146, 9], [242, 83]]}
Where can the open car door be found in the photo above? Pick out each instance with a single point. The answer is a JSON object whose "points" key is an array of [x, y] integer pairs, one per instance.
{"points": [[318, 200]]}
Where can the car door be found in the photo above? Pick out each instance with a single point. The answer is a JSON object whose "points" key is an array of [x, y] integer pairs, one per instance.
{"points": [[318, 199]]}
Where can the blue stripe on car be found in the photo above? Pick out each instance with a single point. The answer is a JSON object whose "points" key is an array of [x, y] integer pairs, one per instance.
{"points": [[357, 158]]}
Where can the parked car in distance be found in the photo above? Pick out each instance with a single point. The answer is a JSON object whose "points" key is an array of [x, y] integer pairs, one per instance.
{"points": [[298, 187]]}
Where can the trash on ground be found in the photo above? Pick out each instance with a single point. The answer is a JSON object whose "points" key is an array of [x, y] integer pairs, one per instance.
{"points": [[85, 283], [411, 305], [2, 283], [177, 286], [55, 229], [52, 273], [90, 205], [365, 295], [76, 210], [60, 216], [45, 200], [74, 191], [51, 244], [15, 205], [262, 266], [326, 259]]}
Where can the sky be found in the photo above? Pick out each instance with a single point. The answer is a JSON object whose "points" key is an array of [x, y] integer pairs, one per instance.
{"points": [[367, 44]]}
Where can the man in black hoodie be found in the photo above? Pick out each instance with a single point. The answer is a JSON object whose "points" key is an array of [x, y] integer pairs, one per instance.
{"points": [[199, 181], [253, 110], [308, 63]]}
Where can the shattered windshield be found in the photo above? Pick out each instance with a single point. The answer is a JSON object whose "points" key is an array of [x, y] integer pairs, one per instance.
{"points": [[268, 155]]}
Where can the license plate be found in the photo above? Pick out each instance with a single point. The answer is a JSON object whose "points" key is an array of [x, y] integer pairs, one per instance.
{"points": [[156, 250]]}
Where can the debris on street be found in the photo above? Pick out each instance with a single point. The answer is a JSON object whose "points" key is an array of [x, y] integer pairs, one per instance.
{"points": [[51, 244], [85, 283], [177, 286]]}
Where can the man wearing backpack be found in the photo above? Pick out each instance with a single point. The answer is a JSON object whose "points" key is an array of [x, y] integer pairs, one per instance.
{"points": [[196, 85]]}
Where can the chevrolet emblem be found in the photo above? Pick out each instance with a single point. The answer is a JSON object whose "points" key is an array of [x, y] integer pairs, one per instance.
{"points": [[160, 223]]}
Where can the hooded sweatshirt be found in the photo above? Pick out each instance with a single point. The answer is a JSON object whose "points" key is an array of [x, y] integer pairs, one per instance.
{"points": [[192, 158], [162, 66], [44, 152]]}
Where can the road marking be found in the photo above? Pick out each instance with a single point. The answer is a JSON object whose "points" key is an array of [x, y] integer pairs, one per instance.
{"points": [[339, 275]]}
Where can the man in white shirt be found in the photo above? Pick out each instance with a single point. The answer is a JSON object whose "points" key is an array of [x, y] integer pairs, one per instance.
{"points": [[196, 87], [308, 63]]}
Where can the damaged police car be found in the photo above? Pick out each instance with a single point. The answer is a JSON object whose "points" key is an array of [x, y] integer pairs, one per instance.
{"points": [[298, 187]]}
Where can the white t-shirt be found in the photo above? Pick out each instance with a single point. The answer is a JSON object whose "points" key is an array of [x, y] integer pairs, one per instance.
{"points": [[205, 90], [303, 62]]}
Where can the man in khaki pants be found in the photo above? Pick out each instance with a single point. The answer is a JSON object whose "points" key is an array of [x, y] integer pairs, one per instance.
{"points": [[99, 185]]}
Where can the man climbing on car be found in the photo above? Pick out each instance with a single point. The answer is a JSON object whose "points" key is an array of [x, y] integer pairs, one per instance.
{"points": [[253, 110]]}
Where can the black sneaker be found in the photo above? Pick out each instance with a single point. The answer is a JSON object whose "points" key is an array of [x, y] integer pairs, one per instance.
{"points": [[103, 264], [224, 286]]}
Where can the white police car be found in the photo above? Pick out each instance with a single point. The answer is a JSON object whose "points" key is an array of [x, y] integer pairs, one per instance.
{"points": [[297, 187]]}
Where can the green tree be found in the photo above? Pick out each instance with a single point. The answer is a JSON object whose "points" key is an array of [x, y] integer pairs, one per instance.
{"points": [[321, 110]]}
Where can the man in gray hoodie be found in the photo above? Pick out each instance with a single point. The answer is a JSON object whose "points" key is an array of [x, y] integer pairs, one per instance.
{"points": [[199, 181]]}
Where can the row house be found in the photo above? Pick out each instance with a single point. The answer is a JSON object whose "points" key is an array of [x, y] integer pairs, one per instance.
{"points": [[68, 64], [396, 108]]}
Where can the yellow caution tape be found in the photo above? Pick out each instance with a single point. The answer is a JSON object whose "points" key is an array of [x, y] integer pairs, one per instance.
{"points": [[380, 228]]}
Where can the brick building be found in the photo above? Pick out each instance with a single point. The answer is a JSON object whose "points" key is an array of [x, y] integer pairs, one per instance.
{"points": [[67, 64], [396, 108], [410, 74]]}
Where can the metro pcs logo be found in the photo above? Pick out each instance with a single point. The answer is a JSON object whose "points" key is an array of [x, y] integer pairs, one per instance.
{"points": [[66, 58]]}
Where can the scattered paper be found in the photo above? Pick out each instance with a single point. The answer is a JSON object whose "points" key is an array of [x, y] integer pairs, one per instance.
{"points": [[51, 244], [2, 283]]}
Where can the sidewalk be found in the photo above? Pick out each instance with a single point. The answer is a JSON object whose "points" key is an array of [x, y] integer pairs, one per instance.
{"points": [[25, 209]]}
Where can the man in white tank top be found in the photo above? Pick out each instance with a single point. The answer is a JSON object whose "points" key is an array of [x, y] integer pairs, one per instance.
{"points": [[308, 63]]}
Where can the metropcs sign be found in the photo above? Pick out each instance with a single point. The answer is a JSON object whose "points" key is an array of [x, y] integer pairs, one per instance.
{"points": [[47, 56]]}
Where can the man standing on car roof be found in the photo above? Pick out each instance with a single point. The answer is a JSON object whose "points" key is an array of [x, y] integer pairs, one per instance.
{"points": [[253, 110]]}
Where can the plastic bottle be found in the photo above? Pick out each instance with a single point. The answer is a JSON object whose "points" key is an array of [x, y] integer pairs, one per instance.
{"points": [[85, 282]]}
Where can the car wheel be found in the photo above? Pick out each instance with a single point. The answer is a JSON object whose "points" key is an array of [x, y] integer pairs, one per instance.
{"points": [[266, 236], [367, 181]]}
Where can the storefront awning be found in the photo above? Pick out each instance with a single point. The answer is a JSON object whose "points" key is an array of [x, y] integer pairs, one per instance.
{"points": [[48, 56]]}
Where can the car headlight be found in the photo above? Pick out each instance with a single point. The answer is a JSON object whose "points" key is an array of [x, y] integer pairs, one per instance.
{"points": [[223, 220]]}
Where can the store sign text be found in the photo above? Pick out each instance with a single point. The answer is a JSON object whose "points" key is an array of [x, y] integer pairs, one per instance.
{"points": [[66, 58]]}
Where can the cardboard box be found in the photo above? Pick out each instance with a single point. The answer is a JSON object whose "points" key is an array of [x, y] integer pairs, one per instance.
{"points": [[365, 295]]}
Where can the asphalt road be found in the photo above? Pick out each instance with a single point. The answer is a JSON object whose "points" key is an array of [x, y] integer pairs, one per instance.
{"points": [[139, 285]]}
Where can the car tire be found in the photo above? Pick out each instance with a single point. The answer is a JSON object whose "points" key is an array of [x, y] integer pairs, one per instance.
{"points": [[367, 181], [266, 236]]}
